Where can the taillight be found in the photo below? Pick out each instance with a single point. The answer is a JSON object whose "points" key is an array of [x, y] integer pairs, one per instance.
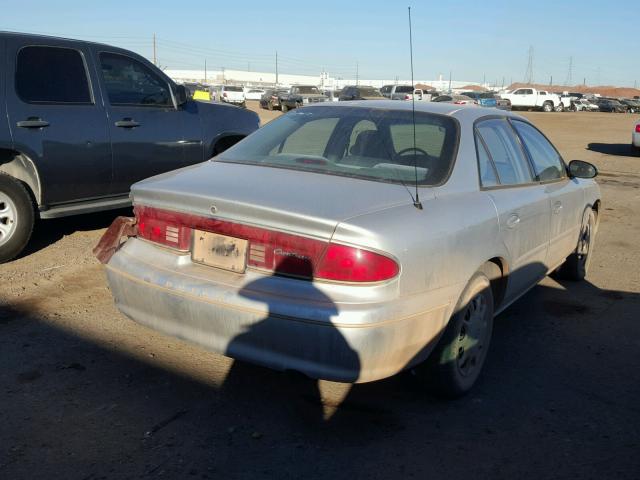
{"points": [[638, 128], [407, 97], [277, 252], [224, 94]]}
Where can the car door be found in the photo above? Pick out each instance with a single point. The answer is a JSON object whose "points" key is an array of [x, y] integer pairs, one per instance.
{"points": [[149, 133], [565, 194], [521, 203], [57, 118]]}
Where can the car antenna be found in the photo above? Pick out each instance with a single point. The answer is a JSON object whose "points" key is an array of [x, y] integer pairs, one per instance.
{"points": [[416, 200]]}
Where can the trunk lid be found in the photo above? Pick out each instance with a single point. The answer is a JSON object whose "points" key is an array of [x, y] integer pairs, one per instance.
{"points": [[287, 200]]}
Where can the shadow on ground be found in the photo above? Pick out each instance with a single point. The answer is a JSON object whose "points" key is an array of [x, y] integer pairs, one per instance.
{"points": [[618, 149], [558, 399]]}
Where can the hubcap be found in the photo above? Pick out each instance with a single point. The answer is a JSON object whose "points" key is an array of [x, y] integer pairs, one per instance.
{"points": [[7, 218], [584, 242], [471, 338]]}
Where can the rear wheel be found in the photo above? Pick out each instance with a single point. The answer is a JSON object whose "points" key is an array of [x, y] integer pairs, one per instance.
{"points": [[17, 217], [577, 264], [547, 107], [270, 105], [559, 108], [284, 108], [455, 364]]}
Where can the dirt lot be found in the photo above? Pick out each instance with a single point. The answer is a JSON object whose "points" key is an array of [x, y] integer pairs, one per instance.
{"points": [[86, 393]]}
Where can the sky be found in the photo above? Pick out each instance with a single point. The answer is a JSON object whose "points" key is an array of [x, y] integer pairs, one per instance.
{"points": [[474, 41]]}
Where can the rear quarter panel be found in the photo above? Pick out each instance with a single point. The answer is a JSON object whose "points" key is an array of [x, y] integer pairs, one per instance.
{"points": [[5, 131]]}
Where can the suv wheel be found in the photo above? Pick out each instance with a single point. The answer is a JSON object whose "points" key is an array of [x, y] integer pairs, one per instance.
{"points": [[17, 217], [547, 107]]}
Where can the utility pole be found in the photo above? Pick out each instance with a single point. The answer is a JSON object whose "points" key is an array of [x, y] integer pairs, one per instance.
{"points": [[551, 81], [248, 66], [449, 81], [276, 68], [484, 79], [357, 74], [155, 60], [205, 70], [528, 77], [570, 73], [584, 81], [503, 83]]}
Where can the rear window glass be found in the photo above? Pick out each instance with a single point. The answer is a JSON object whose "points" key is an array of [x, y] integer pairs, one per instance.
{"points": [[307, 90], [231, 88], [370, 92], [404, 89], [373, 144], [51, 75]]}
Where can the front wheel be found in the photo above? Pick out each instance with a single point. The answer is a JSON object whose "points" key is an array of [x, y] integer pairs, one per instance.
{"points": [[455, 364], [17, 217], [559, 108], [576, 266]]}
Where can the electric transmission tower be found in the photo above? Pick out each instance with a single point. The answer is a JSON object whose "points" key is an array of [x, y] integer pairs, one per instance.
{"points": [[528, 77], [569, 80]]}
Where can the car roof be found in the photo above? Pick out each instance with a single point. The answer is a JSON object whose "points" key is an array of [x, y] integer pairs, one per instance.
{"points": [[468, 113], [49, 37]]}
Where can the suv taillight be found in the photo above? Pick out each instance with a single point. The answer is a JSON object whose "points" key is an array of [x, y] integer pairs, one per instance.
{"points": [[270, 250], [638, 128]]}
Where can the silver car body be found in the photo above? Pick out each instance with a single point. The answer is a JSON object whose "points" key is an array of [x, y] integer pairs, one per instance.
{"points": [[337, 331], [635, 136]]}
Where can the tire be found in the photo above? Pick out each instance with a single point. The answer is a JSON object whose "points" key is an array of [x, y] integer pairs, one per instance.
{"points": [[456, 362], [283, 107], [17, 217], [576, 266], [559, 108], [547, 107], [270, 106]]}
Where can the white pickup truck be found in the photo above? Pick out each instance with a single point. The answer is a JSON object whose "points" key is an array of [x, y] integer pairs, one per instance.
{"points": [[530, 98]]}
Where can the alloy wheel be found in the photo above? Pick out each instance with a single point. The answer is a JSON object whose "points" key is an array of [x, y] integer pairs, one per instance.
{"points": [[8, 218]]}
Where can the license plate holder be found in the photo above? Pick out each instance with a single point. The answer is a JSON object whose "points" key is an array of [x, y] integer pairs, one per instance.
{"points": [[219, 251]]}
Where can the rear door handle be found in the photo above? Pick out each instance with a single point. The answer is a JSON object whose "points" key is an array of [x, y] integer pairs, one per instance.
{"points": [[32, 122], [557, 207], [513, 221], [127, 123]]}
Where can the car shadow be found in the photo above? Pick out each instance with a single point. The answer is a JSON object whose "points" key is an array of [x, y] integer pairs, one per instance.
{"points": [[617, 149], [558, 395], [47, 232]]}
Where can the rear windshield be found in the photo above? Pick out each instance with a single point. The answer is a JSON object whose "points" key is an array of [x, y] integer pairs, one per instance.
{"points": [[307, 90], [484, 95], [368, 143], [404, 89], [231, 88]]}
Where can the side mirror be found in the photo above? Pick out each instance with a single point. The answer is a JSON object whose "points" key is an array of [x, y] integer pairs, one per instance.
{"points": [[181, 95], [581, 169]]}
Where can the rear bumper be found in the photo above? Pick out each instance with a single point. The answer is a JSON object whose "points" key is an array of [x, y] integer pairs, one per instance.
{"points": [[276, 322], [635, 140]]}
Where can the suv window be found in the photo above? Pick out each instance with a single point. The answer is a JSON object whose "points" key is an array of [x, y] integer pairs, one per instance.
{"points": [[546, 160], [505, 151], [65, 80], [130, 82], [404, 89]]}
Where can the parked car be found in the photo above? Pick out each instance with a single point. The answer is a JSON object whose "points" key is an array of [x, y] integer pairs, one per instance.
{"points": [[232, 94], [271, 98], [610, 105], [396, 92], [530, 98], [489, 99], [300, 95], [632, 105], [635, 137], [360, 92], [83, 121], [305, 247], [456, 99], [584, 105], [254, 94], [332, 95]]}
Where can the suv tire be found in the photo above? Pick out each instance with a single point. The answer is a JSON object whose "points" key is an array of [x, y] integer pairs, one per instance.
{"points": [[547, 106], [17, 217]]}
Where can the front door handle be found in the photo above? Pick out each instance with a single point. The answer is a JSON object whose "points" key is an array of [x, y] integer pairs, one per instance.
{"points": [[127, 123], [513, 221], [33, 122], [557, 207]]}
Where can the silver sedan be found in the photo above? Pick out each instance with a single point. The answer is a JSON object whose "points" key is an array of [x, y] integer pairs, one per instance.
{"points": [[354, 240]]}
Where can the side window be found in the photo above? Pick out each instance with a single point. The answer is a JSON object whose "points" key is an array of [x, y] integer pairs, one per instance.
{"points": [[488, 175], [519, 92], [358, 128], [506, 153], [129, 82], [430, 138], [51, 75], [547, 163]]}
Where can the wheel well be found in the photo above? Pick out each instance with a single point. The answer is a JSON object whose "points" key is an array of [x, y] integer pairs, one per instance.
{"points": [[20, 167], [497, 271], [225, 142]]}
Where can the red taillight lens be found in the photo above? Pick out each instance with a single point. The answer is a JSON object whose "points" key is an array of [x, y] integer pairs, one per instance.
{"points": [[350, 264], [638, 128], [407, 97], [278, 252], [162, 227], [224, 94]]}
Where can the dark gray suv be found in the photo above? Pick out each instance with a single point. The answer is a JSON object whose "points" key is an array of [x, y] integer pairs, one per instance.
{"points": [[82, 121]]}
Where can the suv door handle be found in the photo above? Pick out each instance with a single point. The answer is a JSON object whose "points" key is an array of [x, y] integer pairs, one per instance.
{"points": [[32, 122], [557, 207], [513, 221], [127, 123]]}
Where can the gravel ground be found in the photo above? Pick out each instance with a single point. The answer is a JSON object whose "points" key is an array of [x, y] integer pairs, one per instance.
{"points": [[87, 394]]}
